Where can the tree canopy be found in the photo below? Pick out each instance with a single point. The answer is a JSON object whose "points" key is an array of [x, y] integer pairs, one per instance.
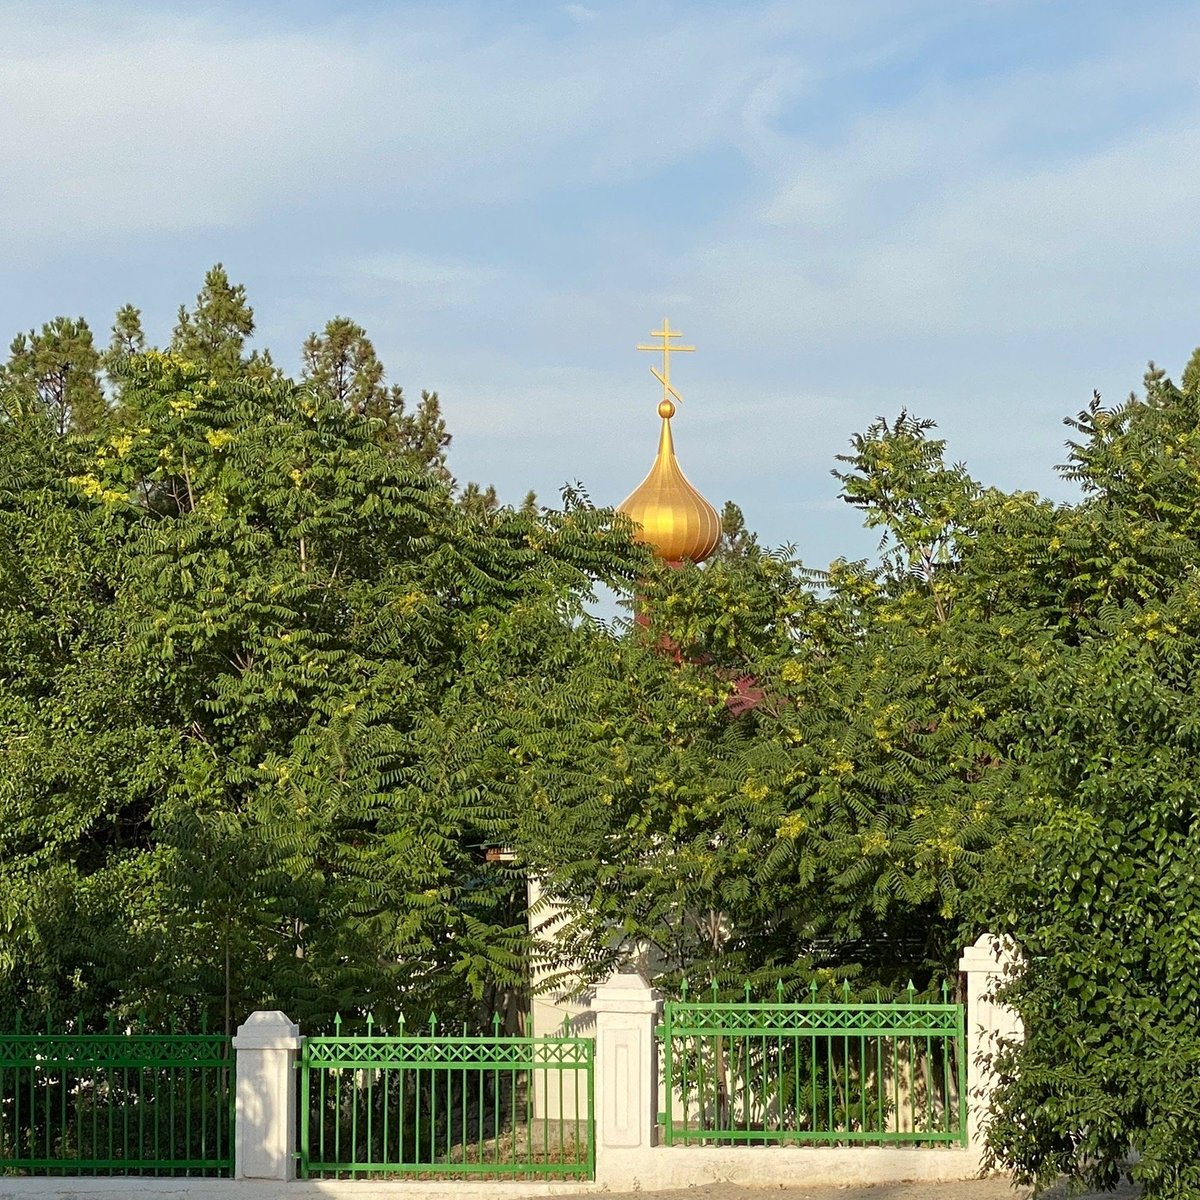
{"points": [[272, 685], [237, 631]]}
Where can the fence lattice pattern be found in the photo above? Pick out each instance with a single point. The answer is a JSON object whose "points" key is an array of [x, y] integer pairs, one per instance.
{"points": [[436, 1106], [844, 1073], [116, 1104]]}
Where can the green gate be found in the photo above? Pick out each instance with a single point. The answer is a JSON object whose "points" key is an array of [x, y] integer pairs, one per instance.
{"points": [[116, 1104], [434, 1105], [842, 1073]]}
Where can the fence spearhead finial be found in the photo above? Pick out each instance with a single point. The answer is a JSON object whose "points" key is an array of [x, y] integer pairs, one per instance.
{"points": [[370, 1023], [779, 990], [746, 989], [911, 989], [683, 988], [337, 1024], [845, 989], [496, 1022], [432, 1023]]}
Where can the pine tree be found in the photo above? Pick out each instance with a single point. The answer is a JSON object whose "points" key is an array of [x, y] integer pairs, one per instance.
{"points": [[422, 435], [214, 334], [735, 537], [127, 339], [55, 372], [479, 501], [342, 362]]}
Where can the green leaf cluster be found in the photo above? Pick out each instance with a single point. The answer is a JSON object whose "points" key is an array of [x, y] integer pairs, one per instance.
{"points": [[241, 641]]}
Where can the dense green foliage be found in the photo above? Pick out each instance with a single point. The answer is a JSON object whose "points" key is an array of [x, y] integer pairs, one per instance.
{"points": [[806, 782], [852, 773], [271, 686], [236, 627], [1105, 902]]}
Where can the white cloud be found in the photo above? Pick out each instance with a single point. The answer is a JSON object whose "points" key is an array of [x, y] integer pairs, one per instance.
{"points": [[139, 130], [439, 282], [947, 219], [984, 208], [580, 13], [161, 122]]}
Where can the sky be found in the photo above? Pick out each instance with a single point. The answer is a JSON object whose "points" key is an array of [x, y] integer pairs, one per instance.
{"points": [[978, 210]]}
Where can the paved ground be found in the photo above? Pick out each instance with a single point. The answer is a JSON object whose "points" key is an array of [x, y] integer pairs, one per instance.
{"points": [[183, 1189], [976, 1189]]}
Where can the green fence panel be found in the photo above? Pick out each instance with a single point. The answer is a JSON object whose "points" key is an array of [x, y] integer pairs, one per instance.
{"points": [[826, 1074], [116, 1104], [435, 1106]]}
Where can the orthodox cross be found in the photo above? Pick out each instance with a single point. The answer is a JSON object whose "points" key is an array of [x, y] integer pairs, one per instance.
{"points": [[664, 376]]}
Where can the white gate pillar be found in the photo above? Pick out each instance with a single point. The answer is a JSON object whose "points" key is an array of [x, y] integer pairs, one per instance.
{"points": [[985, 964], [265, 1125], [627, 1010]]}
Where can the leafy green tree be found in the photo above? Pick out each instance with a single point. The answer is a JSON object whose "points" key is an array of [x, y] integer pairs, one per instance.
{"points": [[55, 372], [783, 774], [1098, 886], [242, 645]]}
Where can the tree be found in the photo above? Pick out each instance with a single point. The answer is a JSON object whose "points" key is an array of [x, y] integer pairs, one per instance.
{"points": [[128, 337], [735, 537], [213, 335], [1099, 887], [55, 372], [479, 501], [241, 646], [342, 361], [782, 773]]}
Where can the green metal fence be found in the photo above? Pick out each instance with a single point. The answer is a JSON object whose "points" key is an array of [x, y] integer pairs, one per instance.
{"points": [[828, 1073], [116, 1104], [433, 1105]]}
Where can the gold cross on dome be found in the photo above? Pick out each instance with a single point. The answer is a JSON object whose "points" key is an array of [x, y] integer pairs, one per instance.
{"points": [[664, 376]]}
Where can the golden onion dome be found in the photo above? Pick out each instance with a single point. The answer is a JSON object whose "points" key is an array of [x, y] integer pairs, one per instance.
{"points": [[674, 519]]}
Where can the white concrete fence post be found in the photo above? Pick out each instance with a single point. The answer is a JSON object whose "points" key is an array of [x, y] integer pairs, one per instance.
{"points": [[986, 965], [627, 1009], [265, 1123]]}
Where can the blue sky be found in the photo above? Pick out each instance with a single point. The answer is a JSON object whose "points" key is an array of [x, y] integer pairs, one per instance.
{"points": [[978, 209]]}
